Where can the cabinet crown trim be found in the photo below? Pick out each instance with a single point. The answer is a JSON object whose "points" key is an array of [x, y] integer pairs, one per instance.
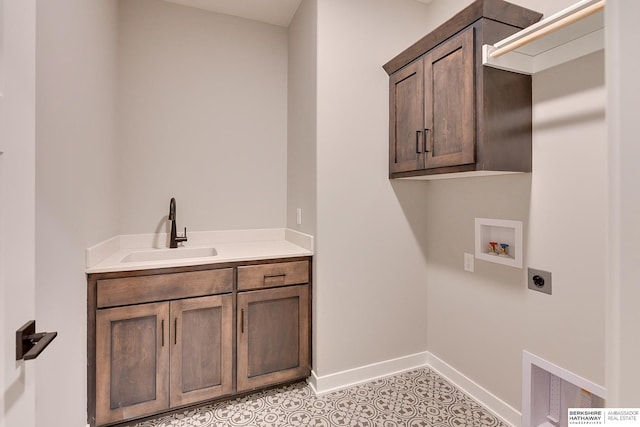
{"points": [[497, 10]]}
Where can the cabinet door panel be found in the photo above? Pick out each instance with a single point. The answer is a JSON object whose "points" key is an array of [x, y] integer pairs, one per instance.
{"points": [[132, 362], [273, 342], [450, 103], [406, 138], [272, 353], [201, 349]]}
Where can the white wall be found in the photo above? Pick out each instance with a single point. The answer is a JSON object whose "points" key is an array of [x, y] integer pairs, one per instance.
{"points": [[491, 314], [302, 129], [203, 118], [480, 322], [301, 118], [623, 293], [17, 206], [370, 267], [76, 194]]}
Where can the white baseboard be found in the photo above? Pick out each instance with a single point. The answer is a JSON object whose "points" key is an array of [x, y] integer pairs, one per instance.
{"points": [[339, 380], [344, 379], [491, 402]]}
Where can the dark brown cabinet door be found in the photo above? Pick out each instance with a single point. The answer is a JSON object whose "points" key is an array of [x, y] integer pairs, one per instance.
{"points": [[406, 130], [201, 349], [273, 336], [473, 119], [132, 361], [449, 113]]}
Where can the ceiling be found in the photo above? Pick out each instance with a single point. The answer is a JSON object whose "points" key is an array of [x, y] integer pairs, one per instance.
{"points": [[276, 12]]}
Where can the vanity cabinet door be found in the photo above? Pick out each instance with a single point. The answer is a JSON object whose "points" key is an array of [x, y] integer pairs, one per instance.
{"points": [[132, 361], [273, 336], [449, 100], [201, 349]]}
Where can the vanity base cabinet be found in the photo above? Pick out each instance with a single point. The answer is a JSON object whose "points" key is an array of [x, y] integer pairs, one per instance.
{"points": [[273, 336], [161, 340]]}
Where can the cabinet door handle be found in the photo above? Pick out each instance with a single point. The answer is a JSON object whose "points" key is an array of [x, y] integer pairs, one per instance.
{"points": [[175, 331], [424, 141], [162, 330], [242, 321], [418, 141]]}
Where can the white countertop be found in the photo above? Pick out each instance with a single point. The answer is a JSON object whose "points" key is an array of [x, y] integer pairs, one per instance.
{"points": [[230, 246]]}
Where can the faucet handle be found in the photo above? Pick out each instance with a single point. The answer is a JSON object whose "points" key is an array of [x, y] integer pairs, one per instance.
{"points": [[182, 238]]}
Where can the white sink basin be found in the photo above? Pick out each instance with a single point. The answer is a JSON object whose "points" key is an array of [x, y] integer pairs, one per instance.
{"points": [[167, 254]]}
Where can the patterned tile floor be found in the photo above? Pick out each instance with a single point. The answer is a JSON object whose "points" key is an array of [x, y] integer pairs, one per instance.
{"points": [[415, 398]]}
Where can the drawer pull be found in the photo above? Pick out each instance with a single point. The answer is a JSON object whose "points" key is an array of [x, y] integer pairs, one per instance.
{"points": [[271, 279]]}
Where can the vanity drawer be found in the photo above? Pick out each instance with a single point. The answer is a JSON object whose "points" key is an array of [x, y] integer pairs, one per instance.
{"points": [[161, 287], [272, 275]]}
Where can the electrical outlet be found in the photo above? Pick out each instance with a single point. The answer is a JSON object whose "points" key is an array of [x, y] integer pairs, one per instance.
{"points": [[539, 280], [299, 216], [468, 262]]}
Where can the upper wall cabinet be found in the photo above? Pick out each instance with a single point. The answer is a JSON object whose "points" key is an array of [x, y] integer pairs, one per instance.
{"points": [[450, 116]]}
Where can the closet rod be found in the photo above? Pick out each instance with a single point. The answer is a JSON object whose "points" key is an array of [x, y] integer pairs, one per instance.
{"points": [[561, 23]]}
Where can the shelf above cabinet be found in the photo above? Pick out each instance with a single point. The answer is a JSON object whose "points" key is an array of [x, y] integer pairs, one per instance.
{"points": [[564, 36]]}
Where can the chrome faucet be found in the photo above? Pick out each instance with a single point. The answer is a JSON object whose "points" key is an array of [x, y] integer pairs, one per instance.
{"points": [[174, 239]]}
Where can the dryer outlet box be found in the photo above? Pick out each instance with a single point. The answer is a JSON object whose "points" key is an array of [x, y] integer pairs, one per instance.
{"points": [[539, 280]]}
